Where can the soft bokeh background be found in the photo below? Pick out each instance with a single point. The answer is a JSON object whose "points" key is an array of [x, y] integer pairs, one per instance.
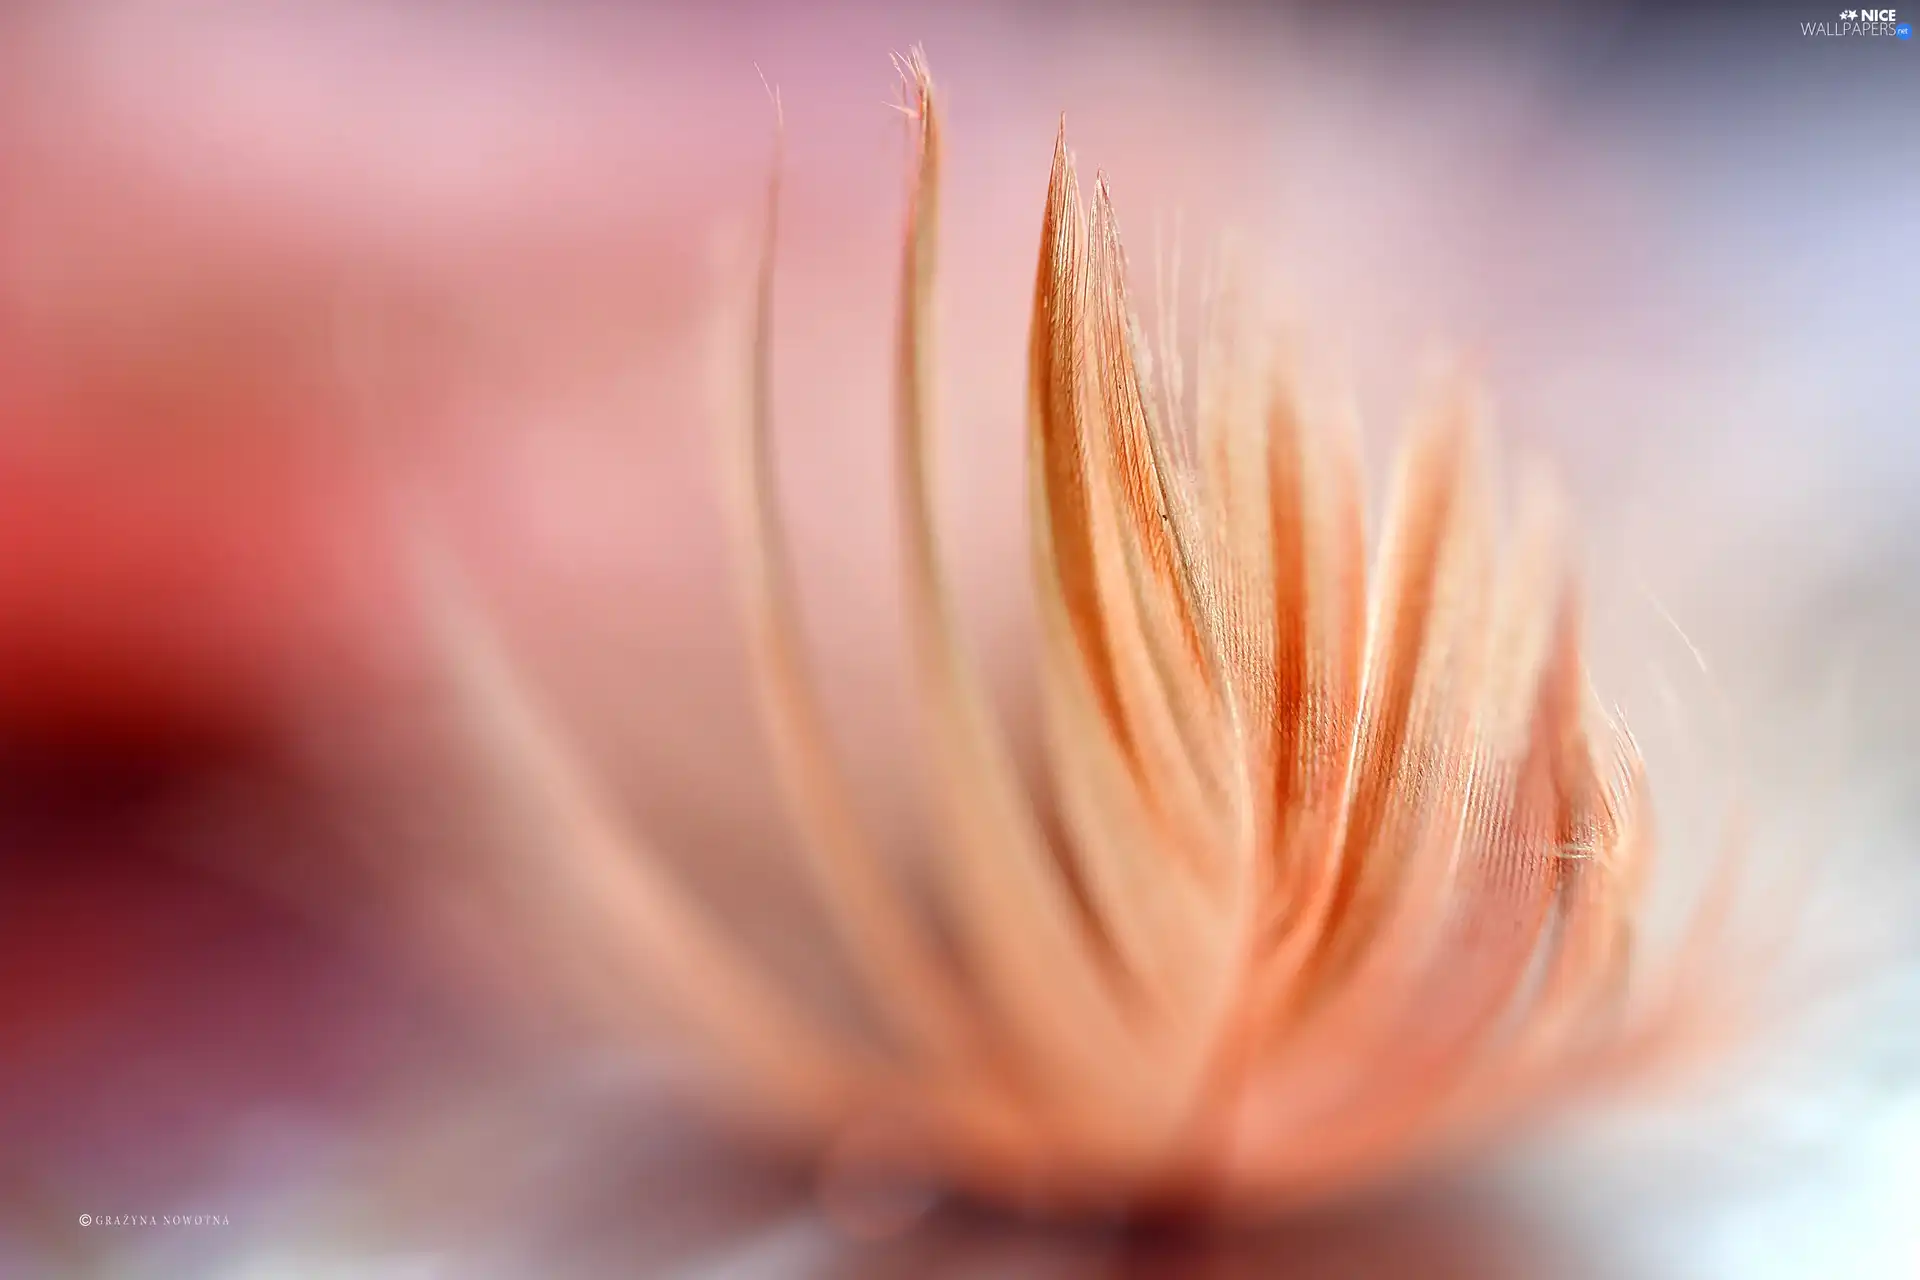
{"points": [[258, 260]]}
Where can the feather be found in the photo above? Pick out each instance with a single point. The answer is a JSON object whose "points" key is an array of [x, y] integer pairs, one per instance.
{"points": [[1349, 864]]}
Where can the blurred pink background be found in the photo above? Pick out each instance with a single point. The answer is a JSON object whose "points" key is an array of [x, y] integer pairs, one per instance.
{"points": [[257, 261]]}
